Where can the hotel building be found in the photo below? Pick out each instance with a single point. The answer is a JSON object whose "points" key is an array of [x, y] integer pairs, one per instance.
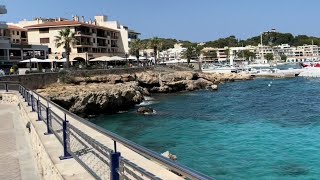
{"points": [[94, 38]]}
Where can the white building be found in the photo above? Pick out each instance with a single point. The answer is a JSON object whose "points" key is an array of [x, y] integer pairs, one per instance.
{"points": [[95, 38], [175, 53]]}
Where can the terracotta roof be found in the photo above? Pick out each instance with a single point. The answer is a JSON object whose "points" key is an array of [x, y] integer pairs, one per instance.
{"points": [[64, 24], [16, 28]]}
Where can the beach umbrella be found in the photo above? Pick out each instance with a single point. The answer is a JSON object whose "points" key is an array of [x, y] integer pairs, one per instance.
{"points": [[102, 58], [63, 60], [117, 58], [32, 60], [132, 57]]}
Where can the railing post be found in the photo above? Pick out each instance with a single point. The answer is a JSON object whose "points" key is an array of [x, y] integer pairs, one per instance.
{"points": [[48, 121], [66, 154], [27, 97], [114, 164], [38, 109], [32, 103], [6, 84]]}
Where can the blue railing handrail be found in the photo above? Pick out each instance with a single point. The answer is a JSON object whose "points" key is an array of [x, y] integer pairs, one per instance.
{"points": [[174, 166], [135, 147]]}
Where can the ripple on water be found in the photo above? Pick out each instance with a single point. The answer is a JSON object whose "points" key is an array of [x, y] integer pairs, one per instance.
{"points": [[293, 170]]}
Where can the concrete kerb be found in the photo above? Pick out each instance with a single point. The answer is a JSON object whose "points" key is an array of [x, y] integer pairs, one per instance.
{"points": [[47, 149]]}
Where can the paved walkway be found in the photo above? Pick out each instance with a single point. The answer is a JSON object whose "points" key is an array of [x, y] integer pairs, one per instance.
{"points": [[16, 160]]}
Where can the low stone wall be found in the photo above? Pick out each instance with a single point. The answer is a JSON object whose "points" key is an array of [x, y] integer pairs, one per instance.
{"points": [[46, 167], [33, 81], [40, 80], [8, 98], [84, 73]]}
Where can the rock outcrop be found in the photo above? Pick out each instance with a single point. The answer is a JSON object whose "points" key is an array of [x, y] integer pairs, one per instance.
{"points": [[111, 93], [95, 98], [145, 111]]}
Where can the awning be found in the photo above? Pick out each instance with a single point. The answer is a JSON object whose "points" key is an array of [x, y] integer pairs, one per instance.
{"points": [[35, 60]]}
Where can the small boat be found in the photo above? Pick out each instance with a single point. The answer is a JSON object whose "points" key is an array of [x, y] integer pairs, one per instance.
{"points": [[219, 69]]}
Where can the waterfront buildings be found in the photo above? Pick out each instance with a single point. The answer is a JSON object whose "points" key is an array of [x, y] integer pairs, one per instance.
{"points": [[174, 53], [95, 38], [283, 52], [14, 44]]}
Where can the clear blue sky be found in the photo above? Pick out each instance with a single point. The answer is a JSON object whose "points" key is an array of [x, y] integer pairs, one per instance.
{"points": [[196, 20]]}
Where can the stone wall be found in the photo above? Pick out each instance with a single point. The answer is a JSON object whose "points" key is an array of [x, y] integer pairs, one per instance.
{"points": [[39, 80], [33, 81], [8, 98], [46, 167], [83, 73]]}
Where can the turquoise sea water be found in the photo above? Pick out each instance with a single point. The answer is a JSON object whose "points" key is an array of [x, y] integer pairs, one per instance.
{"points": [[246, 130]]}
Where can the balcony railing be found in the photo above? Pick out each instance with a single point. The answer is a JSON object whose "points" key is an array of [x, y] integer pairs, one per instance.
{"points": [[15, 57], [83, 33], [84, 44], [3, 57]]}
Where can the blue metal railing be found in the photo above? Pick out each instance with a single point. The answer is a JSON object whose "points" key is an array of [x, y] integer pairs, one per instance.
{"points": [[99, 160]]}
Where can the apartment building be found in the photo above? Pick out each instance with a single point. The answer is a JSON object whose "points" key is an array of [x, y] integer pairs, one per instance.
{"points": [[14, 45], [222, 54], [95, 38], [175, 53]]}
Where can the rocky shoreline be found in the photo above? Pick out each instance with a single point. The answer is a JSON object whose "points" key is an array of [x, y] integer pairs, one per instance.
{"points": [[108, 94]]}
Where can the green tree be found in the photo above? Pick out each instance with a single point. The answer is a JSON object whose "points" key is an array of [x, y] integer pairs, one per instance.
{"points": [[283, 57], [189, 53], [156, 44], [269, 56], [135, 47], [246, 54], [66, 38]]}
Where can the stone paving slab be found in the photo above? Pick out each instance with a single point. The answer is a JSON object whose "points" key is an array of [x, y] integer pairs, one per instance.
{"points": [[16, 160]]}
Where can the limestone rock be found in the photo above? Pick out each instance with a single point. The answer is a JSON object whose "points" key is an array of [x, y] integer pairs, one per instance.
{"points": [[148, 78], [145, 110]]}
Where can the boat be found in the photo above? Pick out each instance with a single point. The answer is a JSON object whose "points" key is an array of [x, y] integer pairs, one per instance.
{"points": [[259, 65], [219, 69]]}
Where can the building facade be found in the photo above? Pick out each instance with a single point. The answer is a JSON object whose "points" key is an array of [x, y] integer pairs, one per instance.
{"points": [[95, 38], [14, 45]]}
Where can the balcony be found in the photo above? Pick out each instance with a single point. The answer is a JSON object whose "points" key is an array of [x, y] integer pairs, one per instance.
{"points": [[81, 33], [15, 57], [114, 37], [84, 44], [3, 58], [102, 45]]}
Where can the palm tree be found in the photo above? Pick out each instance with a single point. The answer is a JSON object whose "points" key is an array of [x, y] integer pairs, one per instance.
{"points": [[197, 53], [188, 53], [156, 44], [66, 39], [135, 47]]}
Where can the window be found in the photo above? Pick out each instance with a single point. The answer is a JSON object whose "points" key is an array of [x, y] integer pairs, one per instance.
{"points": [[18, 33], [13, 32], [17, 41], [44, 30], [94, 40], [44, 40]]}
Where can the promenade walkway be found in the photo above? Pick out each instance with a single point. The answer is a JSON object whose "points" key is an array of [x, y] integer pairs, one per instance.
{"points": [[16, 160]]}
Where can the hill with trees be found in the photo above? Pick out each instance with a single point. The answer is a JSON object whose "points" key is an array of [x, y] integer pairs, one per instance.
{"points": [[269, 38]]}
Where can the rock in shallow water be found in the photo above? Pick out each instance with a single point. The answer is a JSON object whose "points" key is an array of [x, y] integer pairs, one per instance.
{"points": [[146, 110]]}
